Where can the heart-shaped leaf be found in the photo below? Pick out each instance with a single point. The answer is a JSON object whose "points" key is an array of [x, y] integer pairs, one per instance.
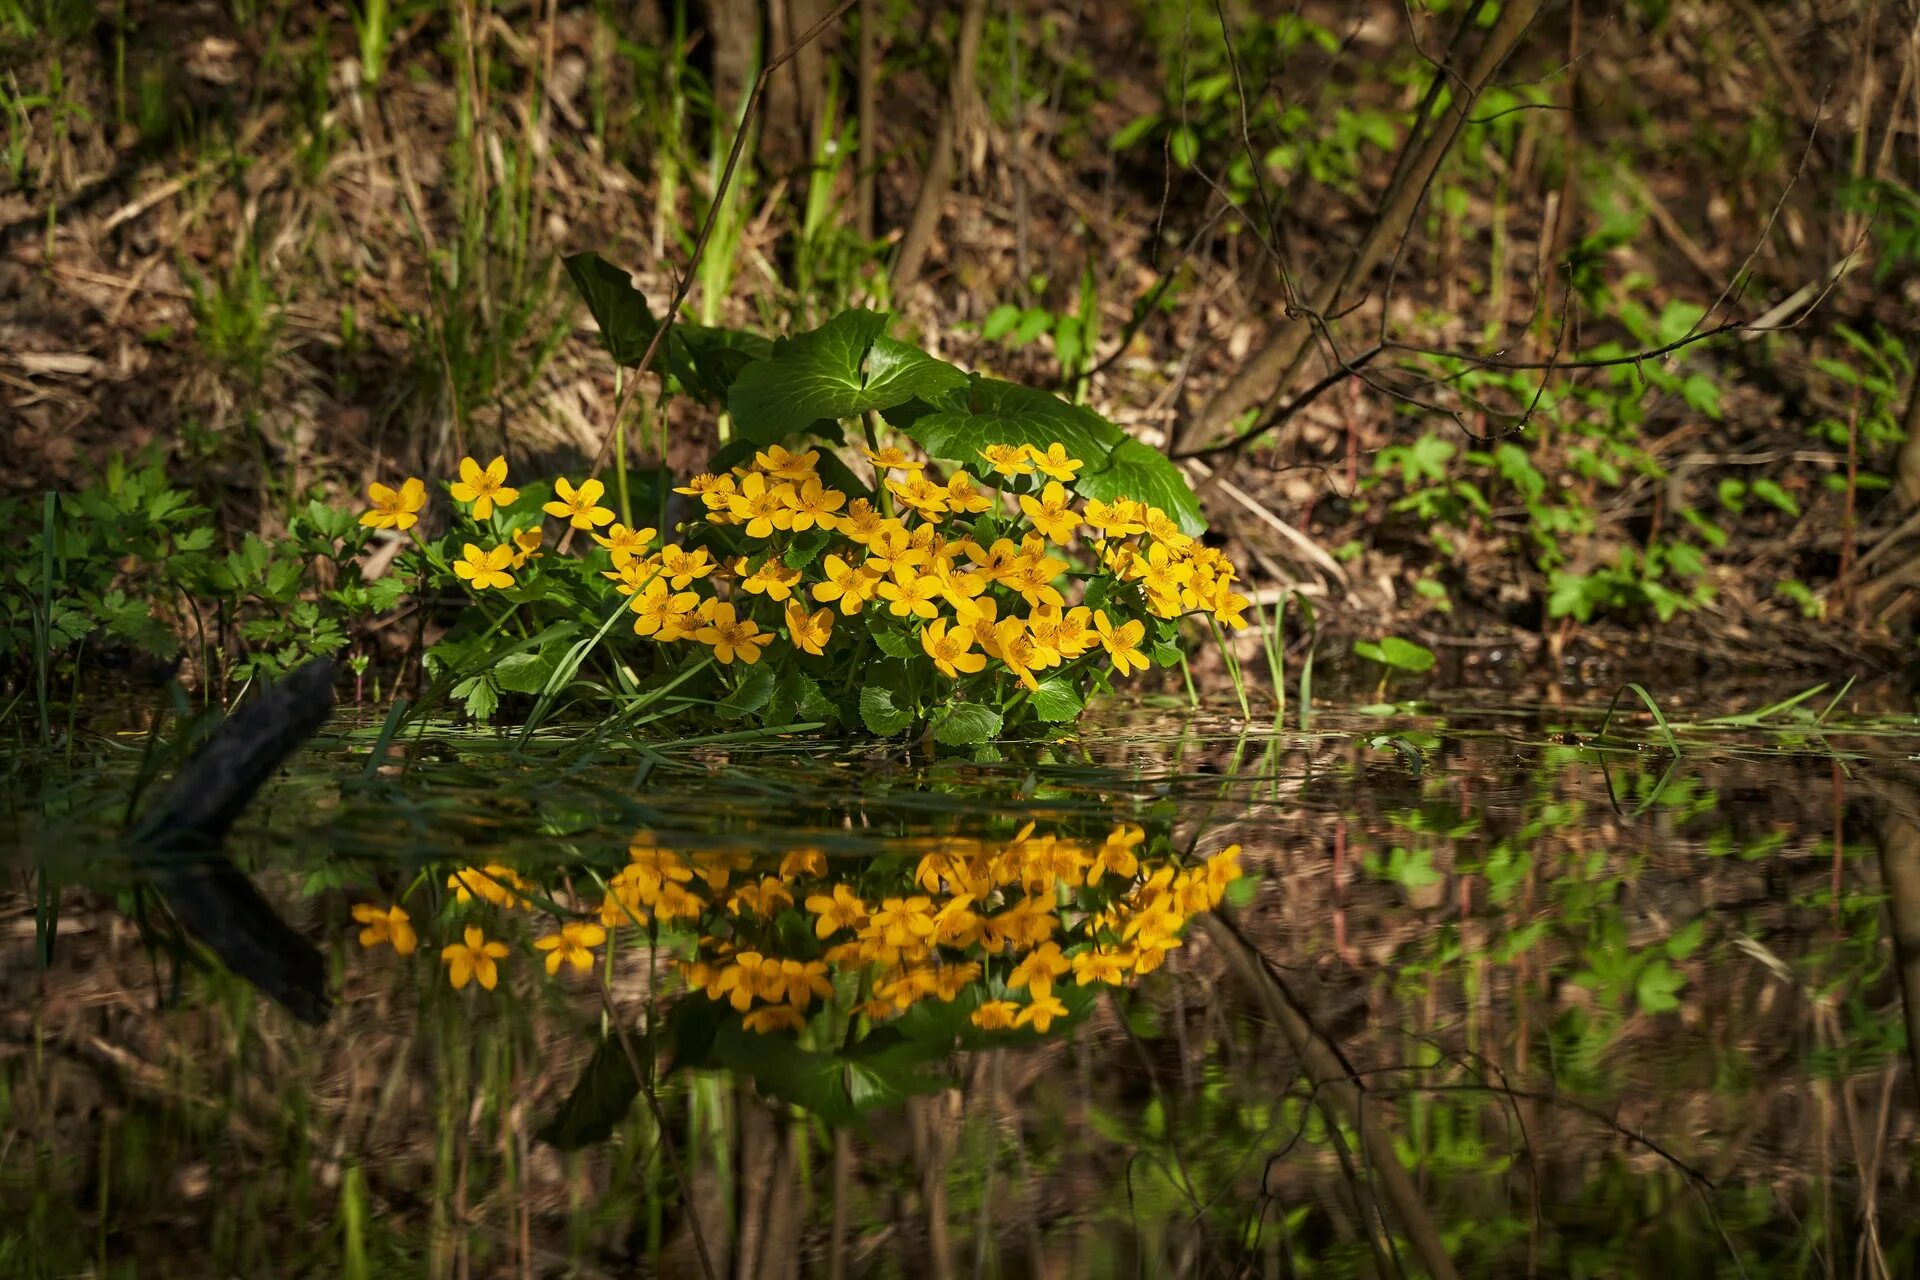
{"points": [[989, 411], [966, 724], [1141, 472], [840, 370]]}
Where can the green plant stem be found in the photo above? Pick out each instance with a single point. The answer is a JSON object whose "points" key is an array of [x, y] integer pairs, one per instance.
{"points": [[871, 421]]}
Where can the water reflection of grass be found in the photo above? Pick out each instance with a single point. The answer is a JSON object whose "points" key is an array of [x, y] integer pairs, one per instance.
{"points": [[1596, 1045]]}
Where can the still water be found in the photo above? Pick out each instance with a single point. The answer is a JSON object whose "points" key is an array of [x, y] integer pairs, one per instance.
{"points": [[1493, 994]]}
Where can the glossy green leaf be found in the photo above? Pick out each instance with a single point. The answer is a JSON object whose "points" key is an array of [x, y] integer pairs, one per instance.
{"points": [[988, 411], [840, 370]]}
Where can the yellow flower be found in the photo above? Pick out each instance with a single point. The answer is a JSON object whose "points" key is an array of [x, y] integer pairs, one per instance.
{"points": [[1108, 967], [1032, 577], [1055, 462], [806, 981], [1038, 970], [493, 883], [995, 1015], [1051, 513], [625, 543], [526, 545], [473, 959], [664, 614], [841, 909], [485, 489], [1116, 519], [772, 579], [891, 548], [483, 569], [861, 522], [921, 495], [1162, 576], [850, 586], [632, 575], [802, 862], [1040, 1014], [704, 483], [761, 508], [1121, 643], [808, 632], [1008, 459], [963, 495], [1227, 606], [764, 899], [1165, 529], [911, 594], [395, 509], [769, 1018], [572, 945], [949, 649], [682, 567], [813, 504], [781, 465], [731, 636], [1116, 854], [388, 924], [577, 505], [892, 458]]}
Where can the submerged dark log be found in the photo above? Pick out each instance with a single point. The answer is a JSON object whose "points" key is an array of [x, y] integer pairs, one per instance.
{"points": [[178, 844]]}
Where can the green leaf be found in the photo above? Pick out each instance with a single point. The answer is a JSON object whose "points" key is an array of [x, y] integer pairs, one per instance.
{"points": [[840, 370], [1138, 471], [989, 411], [626, 325], [836, 1088], [966, 724], [1056, 701], [806, 548], [1401, 655], [479, 697], [1657, 987], [527, 672], [598, 1103], [881, 711], [892, 641], [706, 360], [753, 692]]}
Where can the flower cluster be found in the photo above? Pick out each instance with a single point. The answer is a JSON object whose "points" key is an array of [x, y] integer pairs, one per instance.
{"points": [[974, 579], [1009, 926], [1006, 921]]}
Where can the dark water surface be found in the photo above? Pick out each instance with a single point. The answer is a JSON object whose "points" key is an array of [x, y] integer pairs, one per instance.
{"points": [[1498, 994]]}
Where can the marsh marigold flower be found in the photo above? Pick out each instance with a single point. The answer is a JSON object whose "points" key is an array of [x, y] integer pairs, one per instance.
{"points": [[731, 636], [949, 649], [1008, 459], [474, 959], [808, 631], [486, 488], [1054, 462], [579, 506], [572, 945], [1051, 512], [1122, 643], [625, 544], [395, 508], [995, 1015], [390, 925], [482, 569], [769, 1018]]}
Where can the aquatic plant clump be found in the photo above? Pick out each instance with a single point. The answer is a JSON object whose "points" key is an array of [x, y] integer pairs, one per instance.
{"points": [[953, 599], [1008, 555]]}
